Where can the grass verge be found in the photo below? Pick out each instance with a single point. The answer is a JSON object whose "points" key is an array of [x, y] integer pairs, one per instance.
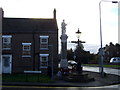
{"points": [[25, 78]]}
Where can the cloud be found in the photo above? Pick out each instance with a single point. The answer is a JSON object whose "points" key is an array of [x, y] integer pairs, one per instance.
{"points": [[93, 48], [77, 14]]}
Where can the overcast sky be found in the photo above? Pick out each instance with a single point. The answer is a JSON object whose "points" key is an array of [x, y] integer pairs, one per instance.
{"points": [[82, 14]]}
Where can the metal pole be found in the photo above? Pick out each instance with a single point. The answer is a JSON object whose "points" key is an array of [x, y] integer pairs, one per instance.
{"points": [[101, 49], [79, 68], [52, 62], [52, 59], [33, 50], [101, 52], [78, 43]]}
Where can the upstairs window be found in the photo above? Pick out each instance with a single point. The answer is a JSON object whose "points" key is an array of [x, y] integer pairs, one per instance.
{"points": [[26, 49], [44, 42], [44, 60], [6, 39]]}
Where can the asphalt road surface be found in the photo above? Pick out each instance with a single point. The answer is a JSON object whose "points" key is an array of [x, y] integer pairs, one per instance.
{"points": [[112, 87]]}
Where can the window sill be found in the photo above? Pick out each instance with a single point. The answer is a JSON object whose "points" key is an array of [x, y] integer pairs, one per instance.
{"points": [[26, 56], [43, 67], [6, 48], [44, 49]]}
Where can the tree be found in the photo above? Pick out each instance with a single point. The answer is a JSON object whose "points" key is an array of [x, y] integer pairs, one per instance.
{"points": [[70, 54], [112, 50], [82, 54]]}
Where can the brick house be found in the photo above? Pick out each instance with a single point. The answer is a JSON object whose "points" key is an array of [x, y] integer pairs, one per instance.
{"points": [[29, 44], [111, 51]]}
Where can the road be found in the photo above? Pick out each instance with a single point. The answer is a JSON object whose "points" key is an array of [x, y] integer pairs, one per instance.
{"points": [[113, 87], [106, 70]]}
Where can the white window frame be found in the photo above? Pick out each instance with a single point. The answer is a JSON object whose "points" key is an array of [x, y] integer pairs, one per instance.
{"points": [[23, 49], [9, 41], [46, 43], [44, 55]]}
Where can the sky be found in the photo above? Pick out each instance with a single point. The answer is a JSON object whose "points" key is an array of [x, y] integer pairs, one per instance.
{"points": [[82, 14]]}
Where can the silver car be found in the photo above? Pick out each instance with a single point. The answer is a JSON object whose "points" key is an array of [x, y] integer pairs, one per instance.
{"points": [[115, 60]]}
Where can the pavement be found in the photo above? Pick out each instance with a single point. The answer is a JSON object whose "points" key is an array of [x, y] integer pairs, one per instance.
{"points": [[106, 70], [109, 79]]}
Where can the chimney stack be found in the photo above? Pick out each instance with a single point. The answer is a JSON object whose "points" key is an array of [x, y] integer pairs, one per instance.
{"points": [[1, 13], [54, 13]]}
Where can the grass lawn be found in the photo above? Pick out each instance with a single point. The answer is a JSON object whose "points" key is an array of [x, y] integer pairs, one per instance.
{"points": [[105, 65], [26, 78]]}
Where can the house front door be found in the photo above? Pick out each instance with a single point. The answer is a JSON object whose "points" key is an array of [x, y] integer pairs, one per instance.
{"points": [[6, 63]]}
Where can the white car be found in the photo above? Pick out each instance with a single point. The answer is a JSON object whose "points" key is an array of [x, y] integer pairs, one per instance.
{"points": [[72, 62], [115, 60]]}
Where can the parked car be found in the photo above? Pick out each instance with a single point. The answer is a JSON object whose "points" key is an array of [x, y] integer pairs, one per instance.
{"points": [[115, 60], [72, 64]]}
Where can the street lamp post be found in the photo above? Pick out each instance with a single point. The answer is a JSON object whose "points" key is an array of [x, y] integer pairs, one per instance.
{"points": [[101, 48], [77, 52], [78, 33], [79, 68]]}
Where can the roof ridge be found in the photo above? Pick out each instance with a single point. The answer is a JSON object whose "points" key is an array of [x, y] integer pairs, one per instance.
{"points": [[28, 18]]}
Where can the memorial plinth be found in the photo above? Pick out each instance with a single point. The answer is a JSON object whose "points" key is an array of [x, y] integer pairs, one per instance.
{"points": [[63, 62]]}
